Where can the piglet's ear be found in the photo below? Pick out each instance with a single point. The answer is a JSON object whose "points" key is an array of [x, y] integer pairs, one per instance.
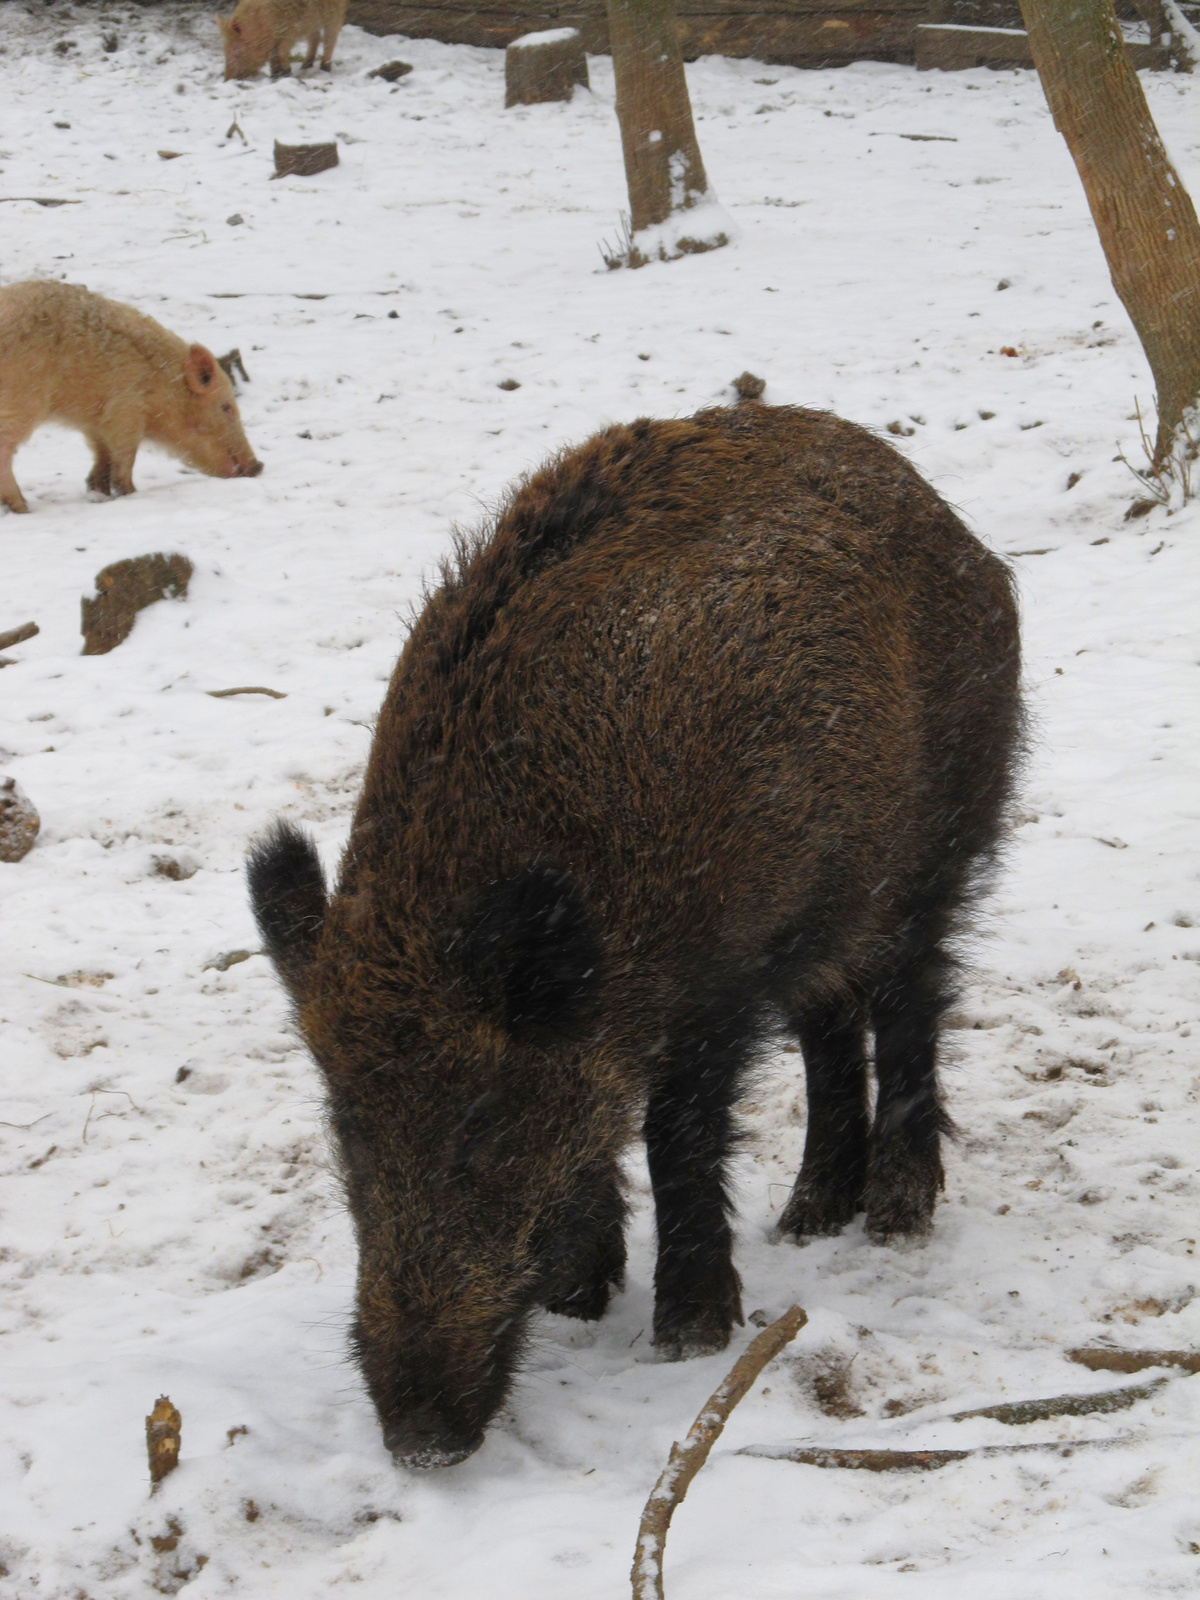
{"points": [[287, 892], [200, 369], [530, 952]]}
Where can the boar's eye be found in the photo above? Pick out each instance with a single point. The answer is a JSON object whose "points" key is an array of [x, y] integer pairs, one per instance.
{"points": [[227, 409]]}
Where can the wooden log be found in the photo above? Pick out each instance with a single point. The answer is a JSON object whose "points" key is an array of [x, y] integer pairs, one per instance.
{"points": [[544, 66], [950, 47], [27, 630], [303, 160], [1098, 1358]]}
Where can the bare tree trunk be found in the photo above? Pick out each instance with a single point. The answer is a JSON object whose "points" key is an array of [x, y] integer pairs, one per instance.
{"points": [[663, 165], [1143, 214]]}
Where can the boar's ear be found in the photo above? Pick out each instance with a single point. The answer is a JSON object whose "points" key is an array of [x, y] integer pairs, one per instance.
{"points": [[287, 892], [200, 369], [223, 24], [531, 953]]}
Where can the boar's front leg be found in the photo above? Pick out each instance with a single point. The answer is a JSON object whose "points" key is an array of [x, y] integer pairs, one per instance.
{"points": [[281, 65], [689, 1128], [331, 37], [904, 1171], [310, 54], [594, 1254], [834, 1170]]}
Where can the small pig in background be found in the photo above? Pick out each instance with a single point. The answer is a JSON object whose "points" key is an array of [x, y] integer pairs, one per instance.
{"points": [[261, 28], [74, 358]]}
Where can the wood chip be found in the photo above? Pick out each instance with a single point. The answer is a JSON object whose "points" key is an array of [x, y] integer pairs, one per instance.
{"points": [[163, 1437]]}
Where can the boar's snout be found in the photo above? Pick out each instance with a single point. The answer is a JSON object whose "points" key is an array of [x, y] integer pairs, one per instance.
{"points": [[423, 1438], [249, 469]]}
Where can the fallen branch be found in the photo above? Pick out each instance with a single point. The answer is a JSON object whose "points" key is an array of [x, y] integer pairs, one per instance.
{"points": [[37, 200], [223, 694], [1064, 1405], [1099, 1359], [687, 1458], [909, 1460], [27, 630]]}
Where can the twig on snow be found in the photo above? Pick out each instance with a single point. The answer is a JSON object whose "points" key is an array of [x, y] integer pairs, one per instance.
{"points": [[222, 694], [687, 1458]]}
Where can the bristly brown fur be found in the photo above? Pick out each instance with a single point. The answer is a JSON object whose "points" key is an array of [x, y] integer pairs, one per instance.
{"points": [[713, 727]]}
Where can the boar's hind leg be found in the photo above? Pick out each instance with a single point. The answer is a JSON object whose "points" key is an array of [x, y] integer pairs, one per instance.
{"points": [[599, 1266], [834, 1170], [331, 37], [904, 1170], [310, 55], [689, 1129]]}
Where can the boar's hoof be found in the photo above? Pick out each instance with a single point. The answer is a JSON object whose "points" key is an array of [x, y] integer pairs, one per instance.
{"points": [[701, 1324], [816, 1211], [588, 1302], [682, 1344], [900, 1196]]}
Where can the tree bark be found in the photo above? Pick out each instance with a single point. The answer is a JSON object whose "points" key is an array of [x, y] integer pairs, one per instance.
{"points": [[663, 167], [1143, 214]]}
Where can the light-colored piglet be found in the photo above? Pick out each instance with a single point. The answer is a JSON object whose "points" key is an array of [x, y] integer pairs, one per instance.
{"points": [[259, 29], [71, 357]]}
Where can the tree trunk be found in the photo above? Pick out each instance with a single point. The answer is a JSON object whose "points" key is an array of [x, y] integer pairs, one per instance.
{"points": [[663, 166], [1143, 214]]}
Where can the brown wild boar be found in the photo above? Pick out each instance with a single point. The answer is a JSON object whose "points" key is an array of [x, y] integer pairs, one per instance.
{"points": [[74, 358], [708, 735], [258, 29]]}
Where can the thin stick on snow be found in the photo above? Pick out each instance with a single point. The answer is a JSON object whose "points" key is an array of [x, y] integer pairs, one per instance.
{"points": [[687, 1458], [1064, 1405], [918, 1460], [254, 688]]}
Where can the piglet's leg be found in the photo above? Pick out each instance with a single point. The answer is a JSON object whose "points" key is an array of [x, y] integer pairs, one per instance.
{"points": [[831, 1180], [10, 494], [99, 479], [689, 1128]]}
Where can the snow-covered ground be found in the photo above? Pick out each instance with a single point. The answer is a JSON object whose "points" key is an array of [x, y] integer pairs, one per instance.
{"points": [[169, 1220]]}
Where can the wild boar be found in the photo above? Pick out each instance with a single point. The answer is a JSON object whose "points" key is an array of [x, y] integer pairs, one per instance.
{"points": [[707, 736], [260, 29], [74, 358]]}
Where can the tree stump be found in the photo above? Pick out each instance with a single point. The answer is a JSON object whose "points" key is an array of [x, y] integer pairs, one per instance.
{"points": [[123, 590], [544, 66]]}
